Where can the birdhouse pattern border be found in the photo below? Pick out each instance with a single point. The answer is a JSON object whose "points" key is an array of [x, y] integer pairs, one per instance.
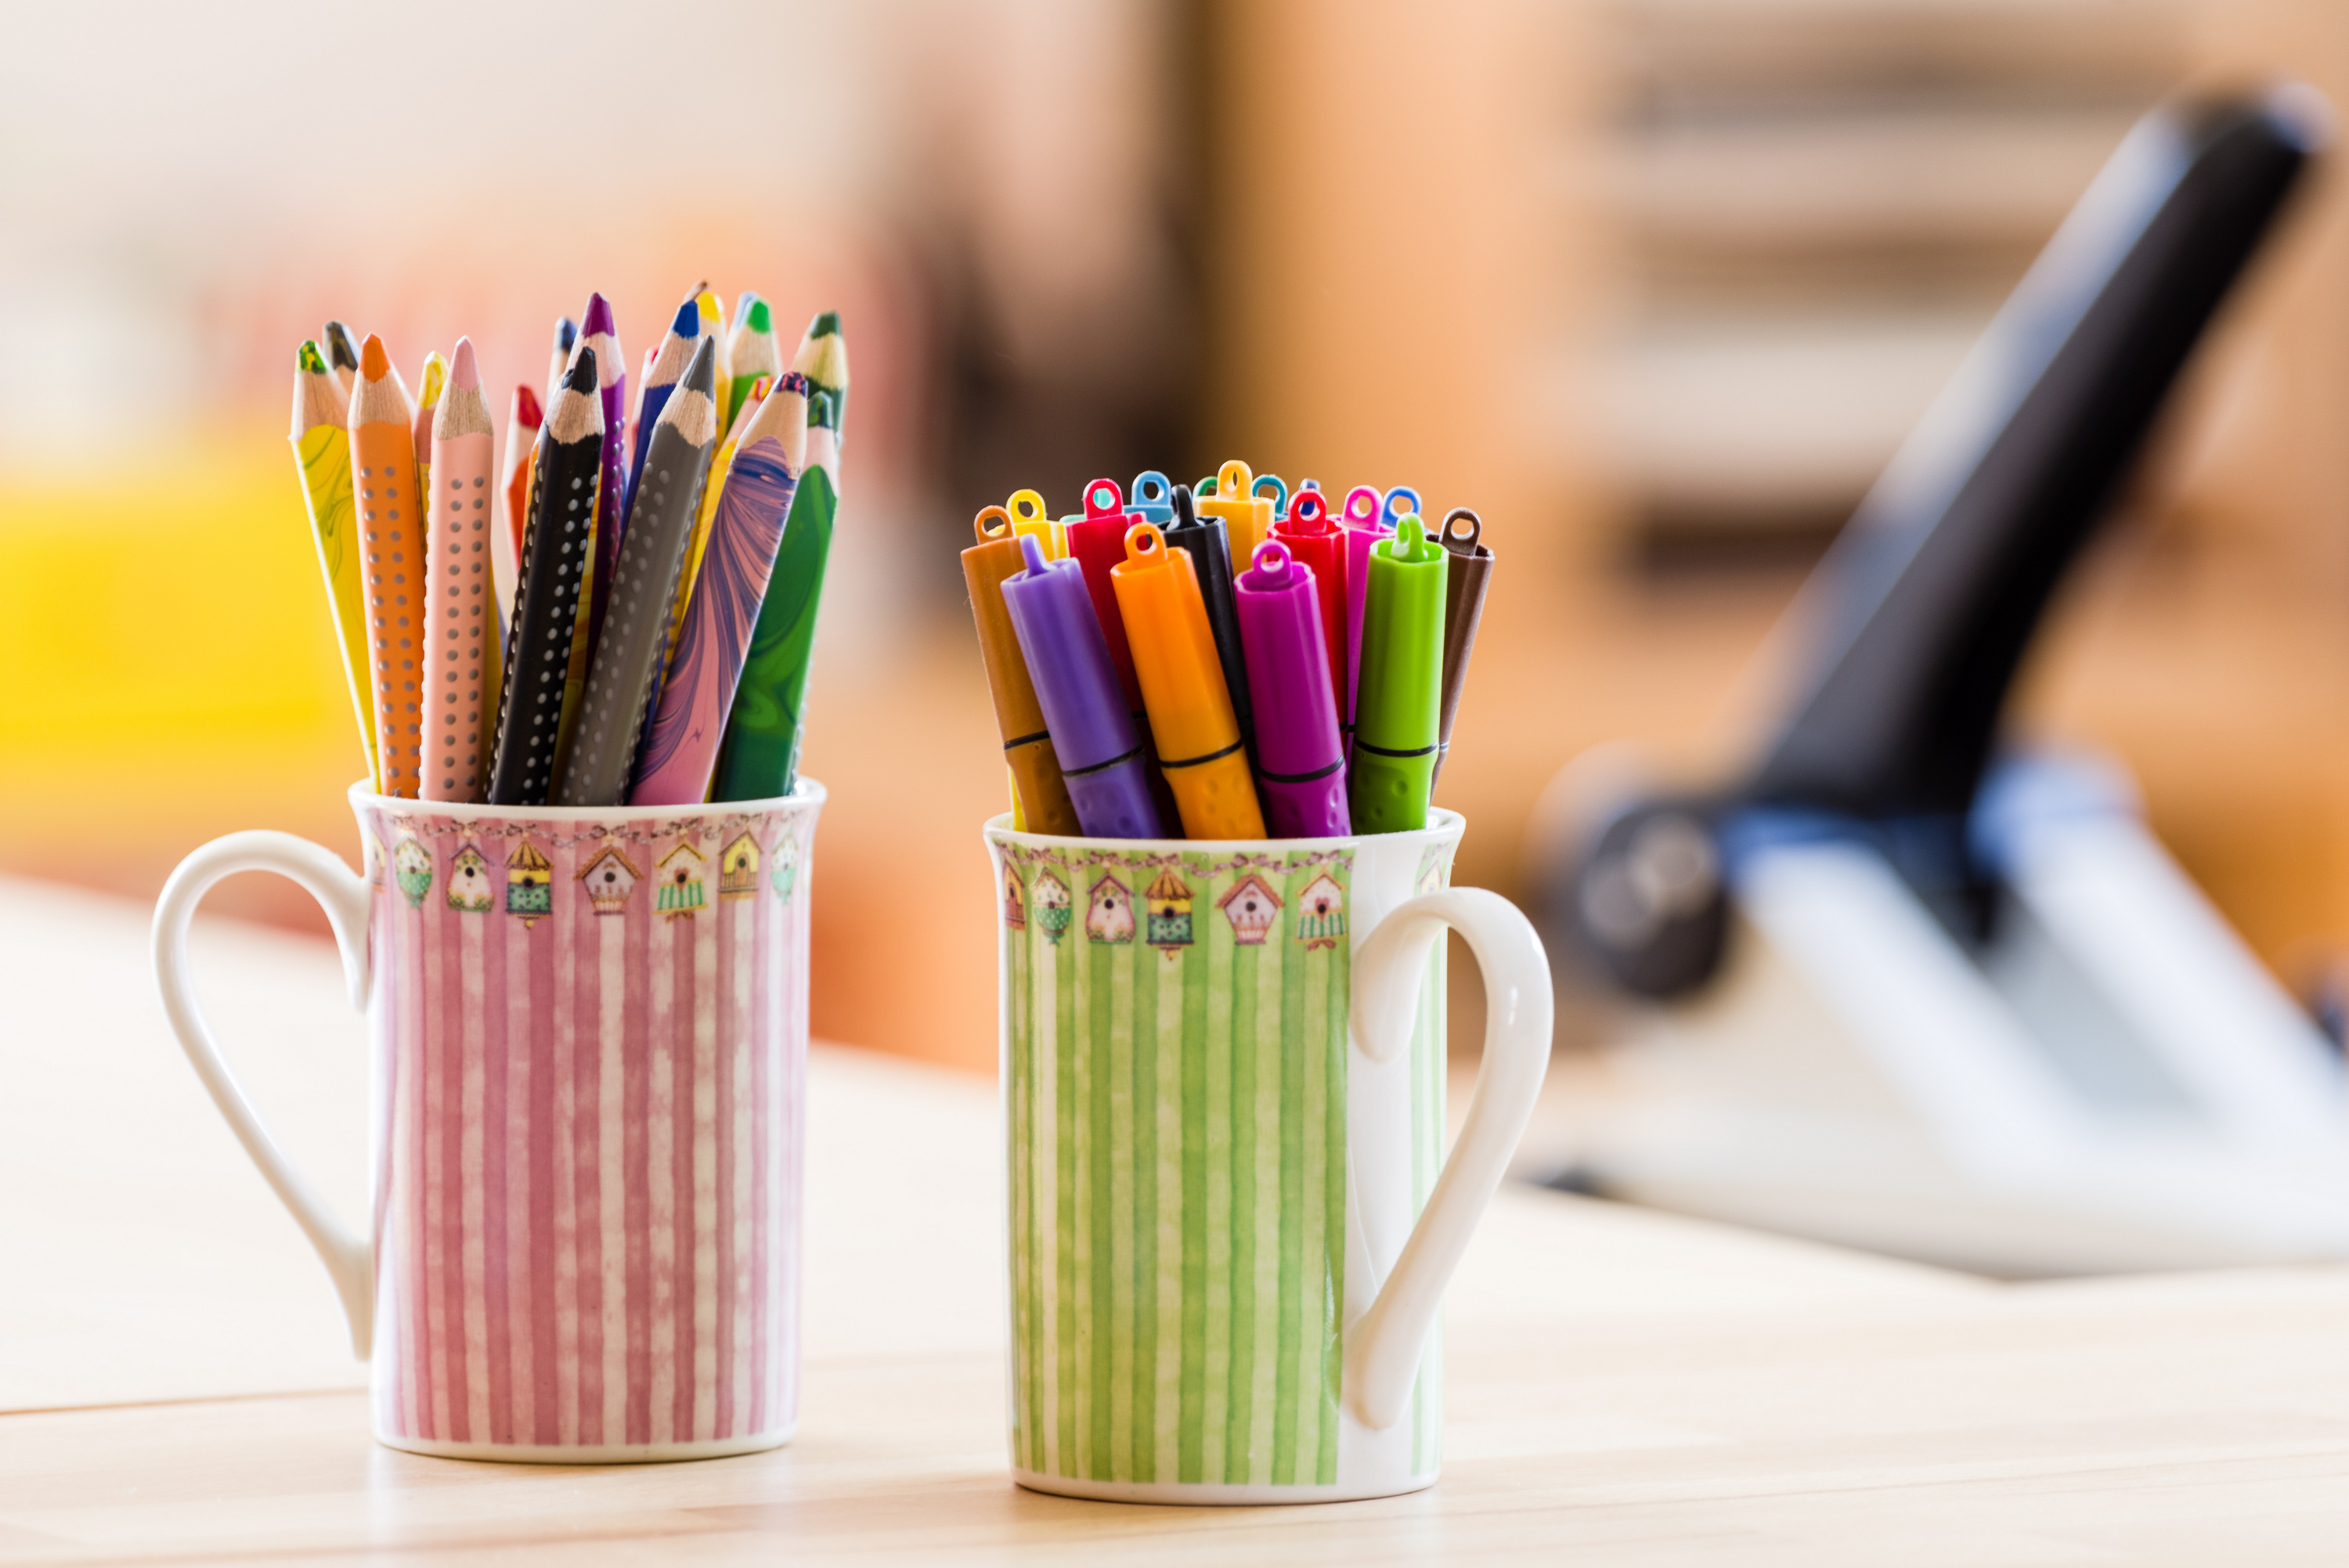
{"points": [[1177, 1177]]}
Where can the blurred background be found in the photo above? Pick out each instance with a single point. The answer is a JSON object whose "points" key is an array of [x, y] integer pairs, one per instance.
{"points": [[1656, 285]]}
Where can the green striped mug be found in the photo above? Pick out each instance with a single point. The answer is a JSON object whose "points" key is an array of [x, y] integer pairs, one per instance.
{"points": [[1231, 1219]]}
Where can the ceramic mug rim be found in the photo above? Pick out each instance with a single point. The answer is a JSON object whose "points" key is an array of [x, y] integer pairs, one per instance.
{"points": [[998, 829], [806, 792]]}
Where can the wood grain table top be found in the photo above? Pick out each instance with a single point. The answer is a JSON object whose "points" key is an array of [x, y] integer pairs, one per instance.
{"points": [[1623, 1386]]}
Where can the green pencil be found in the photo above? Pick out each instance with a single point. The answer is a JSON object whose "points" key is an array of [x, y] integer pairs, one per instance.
{"points": [[751, 350], [760, 754]]}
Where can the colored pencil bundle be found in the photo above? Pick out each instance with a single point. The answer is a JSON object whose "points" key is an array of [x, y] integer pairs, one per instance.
{"points": [[568, 625], [1232, 661]]}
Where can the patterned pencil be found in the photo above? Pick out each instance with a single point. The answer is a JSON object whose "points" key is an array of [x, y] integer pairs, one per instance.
{"points": [[430, 382], [391, 522], [680, 754], [523, 421], [460, 621], [322, 448], [751, 350], [712, 494], [624, 676], [668, 362], [759, 756], [569, 463], [342, 352], [558, 360]]}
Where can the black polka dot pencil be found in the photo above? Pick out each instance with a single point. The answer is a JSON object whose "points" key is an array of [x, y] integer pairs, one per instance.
{"points": [[460, 618], [391, 529], [626, 660], [569, 462]]}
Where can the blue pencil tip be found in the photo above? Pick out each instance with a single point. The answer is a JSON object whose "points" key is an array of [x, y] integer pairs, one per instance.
{"points": [[687, 323]]}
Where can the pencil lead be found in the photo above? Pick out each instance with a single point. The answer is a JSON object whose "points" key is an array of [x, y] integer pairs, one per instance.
{"points": [[374, 363], [309, 359], [826, 323], [687, 320], [566, 333], [702, 375], [525, 405], [581, 375], [598, 317], [761, 318], [342, 347], [464, 374]]}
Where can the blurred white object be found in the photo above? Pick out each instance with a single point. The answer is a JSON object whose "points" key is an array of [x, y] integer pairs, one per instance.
{"points": [[2112, 1084]]}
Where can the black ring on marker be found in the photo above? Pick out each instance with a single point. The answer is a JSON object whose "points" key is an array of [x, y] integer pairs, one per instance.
{"points": [[1303, 777], [1080, 773], [1028, 739], [1383, 751], [1196, 761]]}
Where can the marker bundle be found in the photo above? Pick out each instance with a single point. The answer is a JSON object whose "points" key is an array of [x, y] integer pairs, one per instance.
{"points": [[623, 611], [1232, 660]]}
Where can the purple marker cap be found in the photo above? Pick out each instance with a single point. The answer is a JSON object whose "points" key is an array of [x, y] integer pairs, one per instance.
{"points": [[1084, 708], [1300, 762]]}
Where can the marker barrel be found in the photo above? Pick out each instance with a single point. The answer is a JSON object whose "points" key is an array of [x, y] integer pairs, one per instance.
{"points": [[1208, 544], [1039, 792], [1315, 541], [1183, 685], [1101, 753], [1468, 569], [1396, 724], [1366, 525], [1300, 758]]}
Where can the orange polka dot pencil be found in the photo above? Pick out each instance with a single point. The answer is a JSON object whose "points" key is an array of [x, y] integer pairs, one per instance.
{"points": [[392, 532]]}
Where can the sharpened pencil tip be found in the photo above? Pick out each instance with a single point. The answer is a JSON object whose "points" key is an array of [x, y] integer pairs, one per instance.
{"points": [[759, 316], [526, 410], [581, 375], [464, 374], [687, 323], [702, 375], [597, 316], [825, 325], [566, 333], [308, 358], [374, 363], [342, 348]]}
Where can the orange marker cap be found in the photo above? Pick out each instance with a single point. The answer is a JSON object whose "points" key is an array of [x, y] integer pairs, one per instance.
{"points": [[1182, 687]]}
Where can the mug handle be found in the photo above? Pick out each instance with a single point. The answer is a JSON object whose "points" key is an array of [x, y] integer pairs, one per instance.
{"points": [[1383, 1348], [349, 1257]]}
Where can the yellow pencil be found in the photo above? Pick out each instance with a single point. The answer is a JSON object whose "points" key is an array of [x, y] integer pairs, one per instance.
{"points": [[323, 450], [713, 327], [429, 382]]}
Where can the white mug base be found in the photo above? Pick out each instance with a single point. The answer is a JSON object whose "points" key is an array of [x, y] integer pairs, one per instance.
{"points": [[1217, 1494], [598, 1454]]}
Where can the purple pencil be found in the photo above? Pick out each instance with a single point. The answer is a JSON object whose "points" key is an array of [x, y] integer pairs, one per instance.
{"points": [[1300, 760], [1067, 654], [680, 751]]}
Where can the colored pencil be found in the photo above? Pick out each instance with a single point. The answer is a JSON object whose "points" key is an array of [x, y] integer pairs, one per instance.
{"points": [[660, 378], [594, 574], [522, 421], [558, 358], [322, 449], [430, 383], [391, 521], [752, 351], [714, 492], [460, 621], [626, 666], [342, 352], [759, 756], [568, 467], [723, 601], [600, 332]]}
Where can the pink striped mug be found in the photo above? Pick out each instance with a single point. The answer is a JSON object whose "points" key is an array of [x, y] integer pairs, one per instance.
{"points": [[585, 1117]]}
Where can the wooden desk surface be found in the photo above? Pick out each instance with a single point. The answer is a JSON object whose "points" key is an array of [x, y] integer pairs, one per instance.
{"points": [[1624, 1387]]}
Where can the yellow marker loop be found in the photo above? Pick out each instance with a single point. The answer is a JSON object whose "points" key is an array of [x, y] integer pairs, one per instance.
{"points": [[1029, 516], [1182, 688], [1247, 517]]}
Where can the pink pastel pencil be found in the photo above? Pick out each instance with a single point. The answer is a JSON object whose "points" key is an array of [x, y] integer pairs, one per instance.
{"points": [[674, 766], [460, 621]]}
